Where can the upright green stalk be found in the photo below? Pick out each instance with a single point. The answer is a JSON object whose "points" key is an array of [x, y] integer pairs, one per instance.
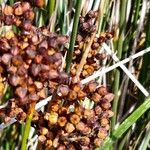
{"points": [[73, 36], [123, 4], [27, 126], [51, 7]]}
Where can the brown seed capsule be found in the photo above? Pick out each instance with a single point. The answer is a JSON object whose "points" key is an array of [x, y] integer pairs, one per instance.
{"points": [[95, 45], [25, 6], [88, 113], [8, 10], [74, 119], [69, 127], [100, 56], [76, 88], [96, 97], [81, 94], [18, 9], [98, 110], [26, 25], [105, 104], [53, 118], [6, 58], [43, 93], [91, 87], [78, 110], [63, 111], [85, 141], [86, 131], [62, 121], [21, 92], [102, 133], [39, 85], [102, 91], [43, 131], [29, 15], [72, 95], [55, 107], [110, 113], [39, 3], [49, 143], [98, 142], [80, 126], [109, 97], [61, 147], [63, 90], [42, 139], [70, 147], [104, 122], [35, 69]]}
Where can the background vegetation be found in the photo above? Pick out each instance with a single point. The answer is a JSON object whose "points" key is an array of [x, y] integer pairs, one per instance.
{"points": [[130, 21]]}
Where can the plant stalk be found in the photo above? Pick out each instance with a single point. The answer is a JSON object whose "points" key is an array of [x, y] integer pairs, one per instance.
{"points": [[27, 126], [73, 36]]}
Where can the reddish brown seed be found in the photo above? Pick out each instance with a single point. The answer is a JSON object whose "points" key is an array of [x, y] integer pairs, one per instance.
{"points": [[63, 90], [92, 87], [85, 141], [104, 122], [109, 97], [61, 147], [26, 25], [42, 139], [62, 121], [8, 10], [102, 133], [88, 113], [110, 113], [80, 126], [55, 107], [18, 9], [96, 97], [29, 15], [6, 58], [81, 94], [49, 143], [25, 6], [105, 104], [98, 142], [14, 80], [69, 127], [86, 131], [43, 131], [95, 45], [21, 92], [53, 118], [74, 119], [102, 91], [72, 95], [39, 3], [70, 147], [98, 110], [39, 85]]}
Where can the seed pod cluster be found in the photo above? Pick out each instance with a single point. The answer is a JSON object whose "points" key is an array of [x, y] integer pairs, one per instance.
{"points": [[71, 123], [94, 58], [31, 63], [30, 59]]}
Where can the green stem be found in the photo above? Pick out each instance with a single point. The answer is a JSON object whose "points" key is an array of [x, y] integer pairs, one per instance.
{"points": [[27, 126], [73, 36], [51, 7], [119, 54], [126, 124]]}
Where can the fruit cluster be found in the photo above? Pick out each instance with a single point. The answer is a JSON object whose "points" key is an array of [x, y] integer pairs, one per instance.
{"points": [[94, 58], [70, 125], [31, 63]]}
